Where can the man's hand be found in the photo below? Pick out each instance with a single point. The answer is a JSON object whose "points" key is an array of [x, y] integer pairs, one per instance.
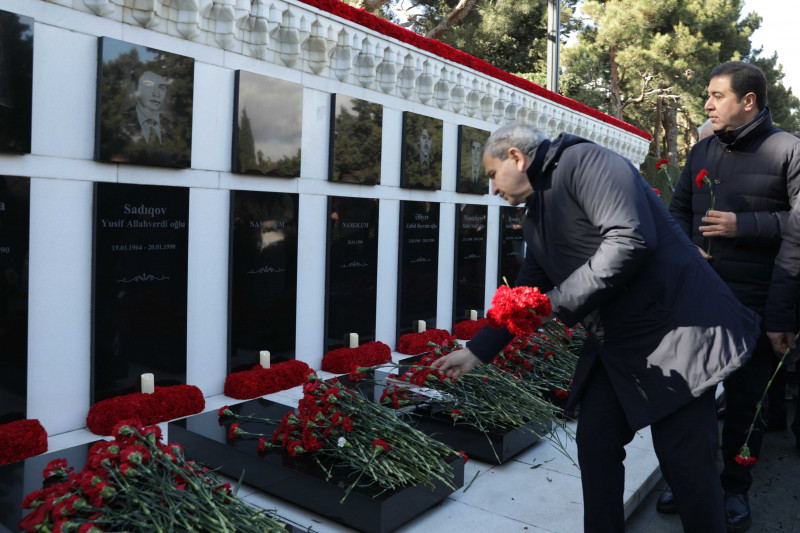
{"points": [[456, 363], [720, 224], [781, 340]]}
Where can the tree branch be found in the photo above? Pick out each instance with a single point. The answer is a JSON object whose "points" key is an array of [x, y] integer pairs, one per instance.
{"points": [[461, 10], [371, 5]]}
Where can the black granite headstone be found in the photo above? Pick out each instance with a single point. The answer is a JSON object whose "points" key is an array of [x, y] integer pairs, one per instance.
{"points": [[472, 176], [140, 277], [421, 165], [16, 82], [470, 264], [419, 265], [512, 244], [352, 269], [267, 125], [15, 207], [355, 141], [144, 105], [263, 276]]}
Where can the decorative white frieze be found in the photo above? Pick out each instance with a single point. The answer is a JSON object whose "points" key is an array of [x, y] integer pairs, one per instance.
{"points": [[298, 36]]}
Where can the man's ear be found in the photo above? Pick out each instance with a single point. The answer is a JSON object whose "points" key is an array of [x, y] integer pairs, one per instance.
{"points": [[516, 155], [750, 102]]}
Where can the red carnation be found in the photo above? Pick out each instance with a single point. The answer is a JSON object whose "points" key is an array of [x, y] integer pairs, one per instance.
{"points": [[662, 163], [746, 461], [519, 309], [382, 444], [701, 177], [657, 191]]}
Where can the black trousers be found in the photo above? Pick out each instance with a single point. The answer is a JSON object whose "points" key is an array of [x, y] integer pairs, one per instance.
{"points": [[743, 390], [686, 445]]}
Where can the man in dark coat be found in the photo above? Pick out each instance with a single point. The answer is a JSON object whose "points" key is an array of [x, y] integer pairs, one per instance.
{"points": [[780, 318], [752, 172], [663, 329]]}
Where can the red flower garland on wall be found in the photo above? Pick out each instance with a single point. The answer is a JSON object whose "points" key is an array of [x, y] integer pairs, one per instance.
{"points": [[368, 20], [469, 328], [166, 403], [259, 381], [346, 360], [21, 439], [417, 343]]}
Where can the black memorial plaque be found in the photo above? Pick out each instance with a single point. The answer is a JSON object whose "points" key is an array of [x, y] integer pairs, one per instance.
{"points": [[472, 176], [421, 166], [263, 276], [355, 141], [512, 244], [267, 125], [419, 265], [15, 208], [144, 105], [140, 275], [16, 82], [352, 269], [470, 265]]}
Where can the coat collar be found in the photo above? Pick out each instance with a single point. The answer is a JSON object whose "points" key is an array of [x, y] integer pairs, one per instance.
{"points": [[757, 127]]}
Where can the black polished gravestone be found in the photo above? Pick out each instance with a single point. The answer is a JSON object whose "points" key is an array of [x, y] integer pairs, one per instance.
{"points": [[421, 152], [20, 478], [470, 265], [512, 244], [419, 265], [351, 270], [16, 82], [140, 275], [263, 274], [472, 176], [15, 208], [267, 125], [355, 141]]}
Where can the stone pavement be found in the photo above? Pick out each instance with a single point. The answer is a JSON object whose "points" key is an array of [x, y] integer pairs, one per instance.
{"points": [[774, 496]]}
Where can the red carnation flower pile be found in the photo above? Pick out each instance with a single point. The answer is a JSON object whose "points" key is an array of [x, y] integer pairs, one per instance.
{"points": [[417, 343], [259, 381], [21, 439], [346, 360], [469, 328], [137, 484], [519, 309], [166, 403]]}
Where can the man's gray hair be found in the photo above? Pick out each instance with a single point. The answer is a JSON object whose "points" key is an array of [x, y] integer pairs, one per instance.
{"points": [[521, 136]]}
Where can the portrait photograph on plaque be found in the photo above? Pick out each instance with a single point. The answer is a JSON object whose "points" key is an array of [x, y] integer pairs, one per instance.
{"points": [[472, 176], [421, 153], [15, 209], [144, 105], [419, 265], [355, 141], [267, 125], [351, 270], [16, 82], [263, 294], [512, 244], [141, 242], [470, 265]]}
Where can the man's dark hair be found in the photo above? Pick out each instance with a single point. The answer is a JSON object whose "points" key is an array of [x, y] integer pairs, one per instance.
{"points": [[745, 78]]}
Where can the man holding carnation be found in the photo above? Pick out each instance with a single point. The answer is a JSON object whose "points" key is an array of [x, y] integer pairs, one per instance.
{"points": [[663, 329], [732, 200]]}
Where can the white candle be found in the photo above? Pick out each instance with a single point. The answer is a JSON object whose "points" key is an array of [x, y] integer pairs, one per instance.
{"points": [[420, 326], [264, 358], [354, 340], [473, 314], [148, 383]]}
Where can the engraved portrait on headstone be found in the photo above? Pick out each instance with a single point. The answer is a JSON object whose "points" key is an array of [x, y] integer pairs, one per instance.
{"points": [[268, 125], [144, 105], [472, 176], [356, 140], [16, 82], [421, 152]]}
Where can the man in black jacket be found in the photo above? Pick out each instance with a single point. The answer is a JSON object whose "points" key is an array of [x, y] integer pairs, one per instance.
{"points": [[734, 217], [663, 328]]}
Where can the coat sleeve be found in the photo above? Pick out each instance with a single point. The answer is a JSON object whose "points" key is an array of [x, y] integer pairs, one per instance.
{"points": [[784, 289], [488, 342], [612, 195], [680, 206], [763, 229]]}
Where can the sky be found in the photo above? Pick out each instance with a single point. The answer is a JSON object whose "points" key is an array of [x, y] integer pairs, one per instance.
{"points": [[778, 33]]}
